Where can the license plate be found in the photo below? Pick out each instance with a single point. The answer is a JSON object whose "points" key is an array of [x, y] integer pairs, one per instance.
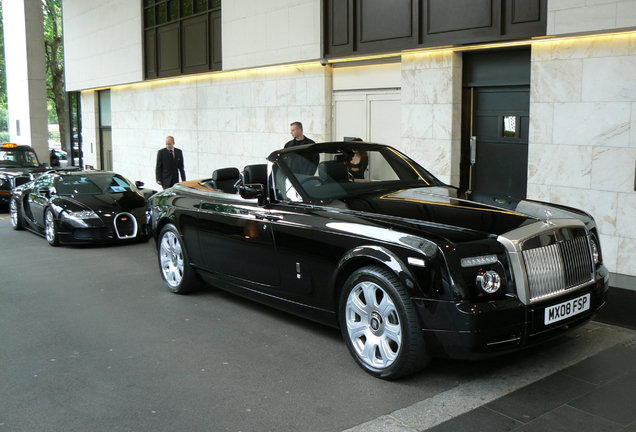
{"points": [[567, 309]]}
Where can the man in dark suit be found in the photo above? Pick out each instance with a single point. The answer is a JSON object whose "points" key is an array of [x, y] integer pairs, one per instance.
{"points": [[169, 165]]}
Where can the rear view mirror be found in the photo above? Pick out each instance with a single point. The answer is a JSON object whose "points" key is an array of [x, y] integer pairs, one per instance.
{"points": [[139, 184]]}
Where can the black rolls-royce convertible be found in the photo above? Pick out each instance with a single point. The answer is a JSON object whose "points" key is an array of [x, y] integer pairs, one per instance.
{"points": [[407, 267], [81, 207]]}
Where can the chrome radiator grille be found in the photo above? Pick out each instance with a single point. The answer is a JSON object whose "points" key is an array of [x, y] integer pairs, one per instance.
{"points": [[558, 267]]}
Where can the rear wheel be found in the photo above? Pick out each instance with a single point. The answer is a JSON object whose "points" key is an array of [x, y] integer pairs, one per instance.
{"points": [[175, 267], [16, 215], [50, 229], [380, 325]]}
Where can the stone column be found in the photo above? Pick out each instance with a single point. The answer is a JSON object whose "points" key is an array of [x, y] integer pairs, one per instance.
{"points": [[26, 74]]}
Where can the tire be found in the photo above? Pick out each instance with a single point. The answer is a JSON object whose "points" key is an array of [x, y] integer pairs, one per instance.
{"points": [[17, 222], [50, 229], [179, 276], [380, 325]]}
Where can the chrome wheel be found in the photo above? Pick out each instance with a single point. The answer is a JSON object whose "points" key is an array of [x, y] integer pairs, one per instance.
{"points": [[171, 259], [16, 217], [380, 324], [178, 274], [50, 230], [373, 325]]}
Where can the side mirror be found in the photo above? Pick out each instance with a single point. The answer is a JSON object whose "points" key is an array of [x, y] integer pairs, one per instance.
{"points": [[139, 184], [252, 191], [47, 192]]}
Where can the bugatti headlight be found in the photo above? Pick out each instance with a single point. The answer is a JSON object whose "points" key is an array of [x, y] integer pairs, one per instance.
{"points": [[489, 281], [78, 218]]}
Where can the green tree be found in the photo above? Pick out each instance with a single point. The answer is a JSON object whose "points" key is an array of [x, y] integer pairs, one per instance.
{"points": [[4, 125], [52, 10]]}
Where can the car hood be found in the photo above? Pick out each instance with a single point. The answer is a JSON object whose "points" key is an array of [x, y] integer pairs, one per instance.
{"points": [[105, 203], [455, 213], [17, 171]]}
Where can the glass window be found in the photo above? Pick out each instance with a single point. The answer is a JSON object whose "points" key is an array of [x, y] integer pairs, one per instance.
{"points": [[510, 126], [188, 7], [162, 13], [150, 17], [173, 7], [104, 108], [202, 5]]}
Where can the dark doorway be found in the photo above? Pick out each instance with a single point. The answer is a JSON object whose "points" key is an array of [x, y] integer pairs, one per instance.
{"points": [[105, 133], [495, 122]]}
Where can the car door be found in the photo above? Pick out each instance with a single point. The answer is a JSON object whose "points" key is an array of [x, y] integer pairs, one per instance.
{"points": [[38, 201], [235, 237]]}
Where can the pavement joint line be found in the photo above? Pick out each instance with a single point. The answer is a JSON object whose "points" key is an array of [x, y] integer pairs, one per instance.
{"points": [[588, 340]]}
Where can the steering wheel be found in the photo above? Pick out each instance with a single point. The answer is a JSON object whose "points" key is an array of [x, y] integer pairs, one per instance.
{"points": [[317, 180]]}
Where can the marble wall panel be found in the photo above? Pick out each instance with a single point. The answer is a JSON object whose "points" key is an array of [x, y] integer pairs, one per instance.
{"points": [[605, 124], [267, 33], [618, 83], [584, 19], [625, 221], [560, 165], [541, 123], [602, 205], [417, 120], [613, 169], [625, 13], [556, 81], [625, 262]]}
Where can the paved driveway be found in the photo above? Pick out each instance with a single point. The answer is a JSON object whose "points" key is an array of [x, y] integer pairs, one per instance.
{"points": [[91, 340]]}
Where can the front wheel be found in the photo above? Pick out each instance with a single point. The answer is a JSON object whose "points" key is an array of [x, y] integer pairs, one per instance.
{"points": [[16, 215], [175, 267], [50, 229], [379, 324]]}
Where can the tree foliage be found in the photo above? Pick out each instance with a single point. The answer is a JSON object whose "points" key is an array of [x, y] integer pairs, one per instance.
{"points": [[52, 10], [4, 124]]}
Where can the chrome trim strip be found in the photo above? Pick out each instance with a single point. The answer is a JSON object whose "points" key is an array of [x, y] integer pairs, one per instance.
{"points": [[134, 234], [504, 341]]}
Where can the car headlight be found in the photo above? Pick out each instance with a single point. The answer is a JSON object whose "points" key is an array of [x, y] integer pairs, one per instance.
{"points": [[489, 281], [596, 253], [78, 218]]}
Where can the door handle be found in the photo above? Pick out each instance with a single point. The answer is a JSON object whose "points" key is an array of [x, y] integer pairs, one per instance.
{"points": [[473, 150], [268, 216]]}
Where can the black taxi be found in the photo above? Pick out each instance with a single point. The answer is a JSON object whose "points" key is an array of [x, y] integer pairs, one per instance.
{"points": [[19, 164]]}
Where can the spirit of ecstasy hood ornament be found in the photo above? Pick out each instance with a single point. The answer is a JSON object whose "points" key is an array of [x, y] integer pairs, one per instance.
{"points": [[548, 215]]}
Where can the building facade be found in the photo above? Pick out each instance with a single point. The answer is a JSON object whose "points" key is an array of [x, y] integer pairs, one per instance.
{"points": [[535, 96]]}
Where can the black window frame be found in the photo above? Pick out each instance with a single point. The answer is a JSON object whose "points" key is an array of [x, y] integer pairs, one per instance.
{"points": [[181, 37]]}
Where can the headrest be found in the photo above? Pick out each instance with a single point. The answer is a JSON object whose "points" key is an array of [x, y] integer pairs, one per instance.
{"points": [[225, 174], [255, 174]]}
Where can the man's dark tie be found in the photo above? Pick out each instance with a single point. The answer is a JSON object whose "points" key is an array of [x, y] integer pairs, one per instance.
{"points": [[171, 154]]}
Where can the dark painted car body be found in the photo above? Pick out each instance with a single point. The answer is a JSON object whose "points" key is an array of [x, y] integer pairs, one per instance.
{"points": [[19, 164], [81, 207], [293, 241]]}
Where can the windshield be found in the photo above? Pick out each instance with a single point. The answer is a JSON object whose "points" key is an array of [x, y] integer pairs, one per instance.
{"points": [[17, 158], [340, 170], [93, 184]]}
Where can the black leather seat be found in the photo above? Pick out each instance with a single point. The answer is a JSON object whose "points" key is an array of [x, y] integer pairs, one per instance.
{"points": [[255, 174], [224, 179], [333, 171]]}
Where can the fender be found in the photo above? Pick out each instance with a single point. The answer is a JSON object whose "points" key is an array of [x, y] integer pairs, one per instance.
{"points": [[385, 257]]}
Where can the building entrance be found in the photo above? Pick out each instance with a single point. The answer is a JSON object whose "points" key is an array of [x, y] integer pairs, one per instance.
{"points": [[496, 106]]}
